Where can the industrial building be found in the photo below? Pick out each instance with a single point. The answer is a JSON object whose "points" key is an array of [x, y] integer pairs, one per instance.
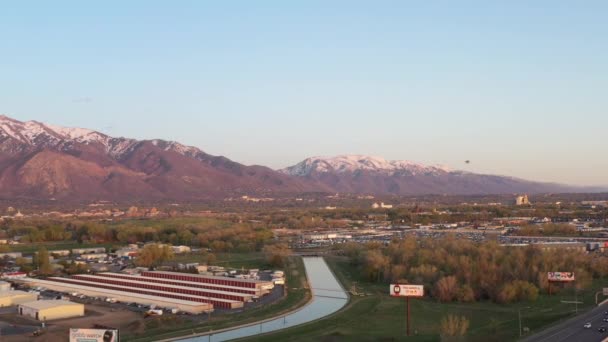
{"points": [[261, 287], [9, 298], [46, 310], [211, 295], [187, 292], [236, 289], [60, 252], [122, 295], [94, 250], [93, 256], [5, 286], [215, 302]]}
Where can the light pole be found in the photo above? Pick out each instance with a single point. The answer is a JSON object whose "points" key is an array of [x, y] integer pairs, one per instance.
{"points": [[519, 316]]}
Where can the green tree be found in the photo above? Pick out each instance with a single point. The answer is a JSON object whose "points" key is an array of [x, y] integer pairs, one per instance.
{"points": [[41, 261]]}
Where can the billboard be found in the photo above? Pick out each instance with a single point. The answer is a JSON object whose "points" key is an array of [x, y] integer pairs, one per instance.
{"points": [[560, 276], [398, 290], [93, 335]]}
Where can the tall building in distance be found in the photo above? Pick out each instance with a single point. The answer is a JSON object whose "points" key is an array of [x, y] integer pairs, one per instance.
{"points": [[522, 200]]}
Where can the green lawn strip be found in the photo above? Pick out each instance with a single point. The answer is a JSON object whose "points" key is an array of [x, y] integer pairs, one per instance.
{"points": [[297, 296], [230, 260]]}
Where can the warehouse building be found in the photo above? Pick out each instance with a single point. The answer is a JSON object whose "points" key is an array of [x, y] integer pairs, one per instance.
{"points": [[60, 252], [94, 250], [120, 295], [94, 256], [150, 284], [246, 290], [5, 286], [261, 287], [46, 310], [144, 289], [10, 298]]}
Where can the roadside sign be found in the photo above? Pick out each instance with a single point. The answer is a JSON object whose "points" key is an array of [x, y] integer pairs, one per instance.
{"points": [[560, 276], [398, 290], [605, 291], [93, 335]]}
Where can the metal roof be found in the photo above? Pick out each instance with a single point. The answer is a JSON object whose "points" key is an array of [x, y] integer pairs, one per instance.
{"points": [[47, 304], [126, 289], [150, 281], [193, 284], [110, 293], [202, 276], [14, 293]]}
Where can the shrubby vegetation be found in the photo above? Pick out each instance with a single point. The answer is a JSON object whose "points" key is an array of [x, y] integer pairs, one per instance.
{"points": [[461, 270], [215, 234], [153, 255]]}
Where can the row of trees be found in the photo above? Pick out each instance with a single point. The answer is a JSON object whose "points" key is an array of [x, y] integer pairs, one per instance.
{"points": [[461, 270], [218, 235]]}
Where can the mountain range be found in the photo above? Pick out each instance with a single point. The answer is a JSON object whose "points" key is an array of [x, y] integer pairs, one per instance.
{"points": [[44, 161]]}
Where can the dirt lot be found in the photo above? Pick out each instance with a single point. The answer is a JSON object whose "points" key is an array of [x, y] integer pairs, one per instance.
{"points": [[18, 328]]}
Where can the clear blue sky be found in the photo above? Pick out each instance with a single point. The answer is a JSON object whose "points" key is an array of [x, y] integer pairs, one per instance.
{"points": [[518, 87]]}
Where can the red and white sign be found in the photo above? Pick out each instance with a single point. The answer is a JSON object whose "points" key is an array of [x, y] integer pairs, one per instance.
{"points": [[13, 275], [398, 290], [560, 276]]}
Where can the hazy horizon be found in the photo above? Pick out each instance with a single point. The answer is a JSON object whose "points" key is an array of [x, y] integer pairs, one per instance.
{"points": [[515, 88]]}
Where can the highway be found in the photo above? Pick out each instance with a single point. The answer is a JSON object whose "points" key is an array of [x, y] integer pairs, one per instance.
{"points": [[573, 330]]}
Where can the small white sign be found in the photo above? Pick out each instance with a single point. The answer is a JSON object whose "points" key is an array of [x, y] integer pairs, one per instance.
{"points": [[398, 290], [605, 290]]}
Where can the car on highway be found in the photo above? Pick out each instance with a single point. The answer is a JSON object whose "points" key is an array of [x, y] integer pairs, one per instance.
{"points": [[587, 325], [605, 319], [601, 329]]}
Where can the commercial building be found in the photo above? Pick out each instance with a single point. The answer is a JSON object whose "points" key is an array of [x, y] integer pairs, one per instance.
{"points": [[121, 295], [10, 298], [94, 256], [88, 250], [46, 310], [181, 249], [148, 283], [148, 290], [11, 255], [5, 286], [234, 289], [261, 287], [60, 252], [13, 275]]}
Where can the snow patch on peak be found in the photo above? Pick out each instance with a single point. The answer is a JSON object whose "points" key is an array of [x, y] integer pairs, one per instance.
{"points": [[71, 132], [353, 163], [176, 147]]}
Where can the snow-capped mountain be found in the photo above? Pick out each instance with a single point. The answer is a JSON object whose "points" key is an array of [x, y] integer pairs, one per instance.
{"points": [[46, 161], [353, 163], [43, 161], [25, 135], [376, 175]]}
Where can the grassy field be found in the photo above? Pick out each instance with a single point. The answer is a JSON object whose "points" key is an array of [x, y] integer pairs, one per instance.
{"points": [[378, 317], [232, 260], [297, 296]]}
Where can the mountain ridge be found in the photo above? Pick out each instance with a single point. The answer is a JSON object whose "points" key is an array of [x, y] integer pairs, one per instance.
{"points": [[39, 160]]}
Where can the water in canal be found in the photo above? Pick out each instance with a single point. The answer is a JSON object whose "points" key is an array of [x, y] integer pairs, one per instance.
{"points": [[328, 297]]}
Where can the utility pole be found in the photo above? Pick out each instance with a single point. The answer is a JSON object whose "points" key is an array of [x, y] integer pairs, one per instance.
{"points": [[575, 300], [519, 318], [407, 299]]}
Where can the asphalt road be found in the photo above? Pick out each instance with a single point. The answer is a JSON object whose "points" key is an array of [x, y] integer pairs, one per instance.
{"points": [[573, 330]]}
